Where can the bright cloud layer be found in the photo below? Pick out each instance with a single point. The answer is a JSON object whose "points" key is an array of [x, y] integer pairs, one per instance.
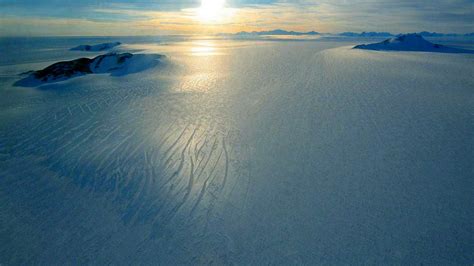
{"points": [[148, 17]]}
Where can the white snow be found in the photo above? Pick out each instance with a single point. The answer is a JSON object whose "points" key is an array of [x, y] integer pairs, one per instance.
{"points": [[256, 153], [410, 42], [134, 63]]}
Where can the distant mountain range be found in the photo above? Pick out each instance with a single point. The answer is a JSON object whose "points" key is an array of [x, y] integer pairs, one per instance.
{"points": [[272, 32], [343, 34], [365, 34], [388, 34]]}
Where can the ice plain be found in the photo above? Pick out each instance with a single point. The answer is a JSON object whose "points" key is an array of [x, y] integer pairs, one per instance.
{"points": [[240, 152]]}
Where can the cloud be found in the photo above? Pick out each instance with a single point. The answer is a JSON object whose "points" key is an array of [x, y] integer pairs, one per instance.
{"points": [[71, 27], [121, 17]]}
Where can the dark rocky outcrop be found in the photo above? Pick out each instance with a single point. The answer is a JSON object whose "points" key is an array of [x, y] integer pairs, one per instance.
{"points": [[64, 69]]}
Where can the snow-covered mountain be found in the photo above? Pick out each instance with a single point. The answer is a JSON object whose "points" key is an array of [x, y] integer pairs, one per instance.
{"points": [[410, 42], [96, 48], [114, 63]]}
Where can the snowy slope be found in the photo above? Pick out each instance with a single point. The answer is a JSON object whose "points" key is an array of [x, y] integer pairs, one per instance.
{"points": [[410, 42]]}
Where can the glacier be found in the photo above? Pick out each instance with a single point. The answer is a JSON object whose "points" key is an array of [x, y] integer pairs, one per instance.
{"points": [[238, 152]]}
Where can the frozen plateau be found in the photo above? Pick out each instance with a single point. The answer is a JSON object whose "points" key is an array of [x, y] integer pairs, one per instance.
{"points": [[244, 152]]}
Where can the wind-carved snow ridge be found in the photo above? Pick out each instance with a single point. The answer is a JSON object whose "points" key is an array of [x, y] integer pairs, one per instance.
{"points": [[97, 47], [410, 42], [114, 63]]}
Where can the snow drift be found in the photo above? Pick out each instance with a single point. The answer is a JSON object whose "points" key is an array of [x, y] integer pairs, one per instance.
{"points": [[114, 63], [97, 47], [410, 42], [262, 153]]}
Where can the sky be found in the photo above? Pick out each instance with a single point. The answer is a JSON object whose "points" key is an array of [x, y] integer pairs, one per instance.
{"points": [[156, 17]]}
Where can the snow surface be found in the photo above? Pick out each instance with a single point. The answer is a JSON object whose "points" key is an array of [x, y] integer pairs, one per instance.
{"points": [[242, 153], [411, 42], [96, 48]]}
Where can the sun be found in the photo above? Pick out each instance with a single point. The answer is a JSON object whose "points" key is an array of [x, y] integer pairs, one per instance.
{"points": [[211, 10]]}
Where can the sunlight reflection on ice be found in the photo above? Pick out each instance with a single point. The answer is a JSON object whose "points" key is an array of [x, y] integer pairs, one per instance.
{"points": [[204, 48]]}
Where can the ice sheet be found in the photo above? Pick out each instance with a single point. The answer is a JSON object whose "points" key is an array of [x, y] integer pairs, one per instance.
{"points": [[245, 153]]}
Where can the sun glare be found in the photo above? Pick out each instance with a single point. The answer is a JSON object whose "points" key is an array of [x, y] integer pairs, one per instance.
{"points": [[203, 48], [211, 10]]}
